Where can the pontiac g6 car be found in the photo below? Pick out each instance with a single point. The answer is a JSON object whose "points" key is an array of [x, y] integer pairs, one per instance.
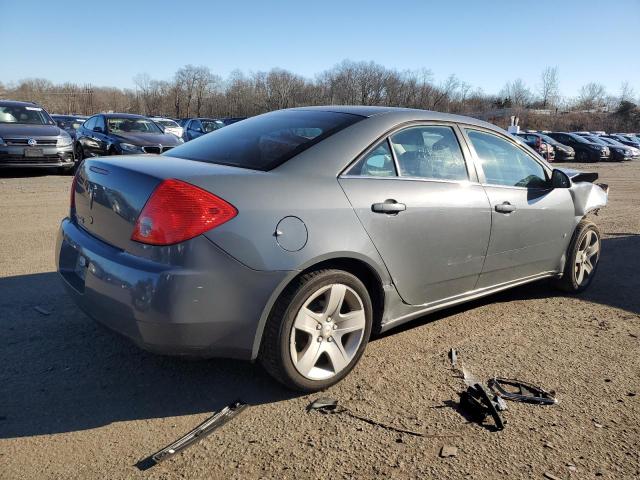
{"points": [[30, 138], [291, 236]]}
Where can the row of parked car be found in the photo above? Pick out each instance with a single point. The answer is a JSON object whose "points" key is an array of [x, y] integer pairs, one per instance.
{"points": [[119, 133], [29, 136], [583, 146]]}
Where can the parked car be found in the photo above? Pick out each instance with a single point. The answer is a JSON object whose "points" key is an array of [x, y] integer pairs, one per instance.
{"points": [[196, 127], [292, 236], [635, 152], [230, 120], [618, 153], [537, 143], [169, 126], [563, 152], [121, 133], [70, 123], [30, 138], [585, 150], [628, 139]]}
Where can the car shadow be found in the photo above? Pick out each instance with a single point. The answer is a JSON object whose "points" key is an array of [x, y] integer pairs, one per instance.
{"points": [[31, 172], [61, 372], [616, 285]]}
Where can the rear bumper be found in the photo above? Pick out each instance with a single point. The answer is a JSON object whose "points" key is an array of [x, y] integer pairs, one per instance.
{"points": [[208, 309]]}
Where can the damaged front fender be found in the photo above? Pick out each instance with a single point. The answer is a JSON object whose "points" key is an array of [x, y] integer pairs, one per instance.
{"points": [[587, 196]]}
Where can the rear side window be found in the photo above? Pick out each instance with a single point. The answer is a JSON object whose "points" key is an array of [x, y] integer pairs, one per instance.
{"points": [[429, 152], [377, 163], [505, 164], [266, 141]]}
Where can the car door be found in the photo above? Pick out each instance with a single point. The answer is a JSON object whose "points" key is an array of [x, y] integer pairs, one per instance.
{"points": [[531, 223], [100, 136], [194, 129], [420, 202]]}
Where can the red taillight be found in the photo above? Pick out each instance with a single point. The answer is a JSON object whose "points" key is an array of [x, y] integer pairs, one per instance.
{"points": [[72, 201], [178, 211]]}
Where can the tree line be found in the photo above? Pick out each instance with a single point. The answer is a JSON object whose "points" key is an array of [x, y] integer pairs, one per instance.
{"points": [[195, 91]]}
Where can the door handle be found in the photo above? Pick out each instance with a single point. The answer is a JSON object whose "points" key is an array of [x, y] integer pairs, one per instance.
{"points": [[389, 206], [505, 207]]}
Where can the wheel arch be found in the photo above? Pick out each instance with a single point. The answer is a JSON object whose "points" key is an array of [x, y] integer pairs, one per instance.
{"points": [[373, 276]]}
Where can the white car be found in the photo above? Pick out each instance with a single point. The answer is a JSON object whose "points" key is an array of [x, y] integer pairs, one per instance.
{"points": [[169, 126]]}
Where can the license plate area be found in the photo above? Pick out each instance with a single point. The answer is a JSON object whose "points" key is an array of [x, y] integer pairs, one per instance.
{"points": [[73, 266], [33, 153]]}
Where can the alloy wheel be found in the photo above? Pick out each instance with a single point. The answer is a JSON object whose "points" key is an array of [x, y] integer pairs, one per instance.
{"points": [[327, 332], [587, 257]]}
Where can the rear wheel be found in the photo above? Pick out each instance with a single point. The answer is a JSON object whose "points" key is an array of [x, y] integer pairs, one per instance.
{"points": [[317, 330], [583, 256]]}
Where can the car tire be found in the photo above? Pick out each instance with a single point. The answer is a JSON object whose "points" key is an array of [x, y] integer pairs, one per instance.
{"points": [[583, 257], [317, 330]]}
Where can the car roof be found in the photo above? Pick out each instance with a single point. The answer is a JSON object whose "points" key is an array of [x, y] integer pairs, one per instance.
{"points": [[16, 103], [121, 115], [402, 114]]}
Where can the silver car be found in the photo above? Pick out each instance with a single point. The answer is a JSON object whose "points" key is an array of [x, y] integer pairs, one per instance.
{"points": [[292, 236]]}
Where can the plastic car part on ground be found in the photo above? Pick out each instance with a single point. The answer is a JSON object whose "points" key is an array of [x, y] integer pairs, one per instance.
{"points": [[480, 402], [201, 431]]}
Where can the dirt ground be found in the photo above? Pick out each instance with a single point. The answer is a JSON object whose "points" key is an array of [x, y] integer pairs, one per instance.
{"points": [[77, 401]]}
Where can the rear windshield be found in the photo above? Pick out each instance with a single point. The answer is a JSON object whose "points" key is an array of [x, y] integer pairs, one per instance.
{"points": [[266, 141]]}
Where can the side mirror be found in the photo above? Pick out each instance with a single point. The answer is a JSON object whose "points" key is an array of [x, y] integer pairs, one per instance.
{"points": [[559, 179]]}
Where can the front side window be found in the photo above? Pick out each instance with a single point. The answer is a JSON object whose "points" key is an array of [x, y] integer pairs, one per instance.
{"points": [[429, 152], [504, 163], [100, 123], [377, 163], [89, 124], [265, 141], [195, 125]]}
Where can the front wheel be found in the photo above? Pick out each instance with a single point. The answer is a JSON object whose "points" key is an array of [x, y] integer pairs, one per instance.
{"points": [[583, 256], [317, 331]]}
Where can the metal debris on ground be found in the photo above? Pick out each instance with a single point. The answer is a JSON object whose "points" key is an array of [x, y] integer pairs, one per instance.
{"points": [[201, 431], [330, 406], [42, 311], [519, 391], [481, 402]]}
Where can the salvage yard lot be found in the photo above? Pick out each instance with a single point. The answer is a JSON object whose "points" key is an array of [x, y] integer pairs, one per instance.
{"points": [[76, 401]]}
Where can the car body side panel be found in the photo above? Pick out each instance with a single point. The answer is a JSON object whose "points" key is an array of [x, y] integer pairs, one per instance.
{"points": [[530, 240], [436, 247]]}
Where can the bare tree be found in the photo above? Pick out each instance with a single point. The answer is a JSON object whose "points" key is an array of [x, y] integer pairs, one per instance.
{"points": [[517, 93], [592, 96], [549, 88], [627, 94]]}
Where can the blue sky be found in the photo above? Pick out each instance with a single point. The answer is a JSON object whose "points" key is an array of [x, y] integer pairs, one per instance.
{"points": [[484, 43]]}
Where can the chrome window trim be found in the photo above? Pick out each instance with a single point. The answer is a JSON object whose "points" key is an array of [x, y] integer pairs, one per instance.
{"points": [[415, 179]]}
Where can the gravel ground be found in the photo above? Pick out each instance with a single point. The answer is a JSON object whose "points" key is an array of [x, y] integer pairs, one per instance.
{"points": [[77, 401]]}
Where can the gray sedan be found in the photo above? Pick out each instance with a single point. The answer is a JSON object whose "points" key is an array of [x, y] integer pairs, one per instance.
{"points": [[292, 236]]}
